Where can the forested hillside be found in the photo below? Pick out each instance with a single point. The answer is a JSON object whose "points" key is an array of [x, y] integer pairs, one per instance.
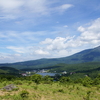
{"points": [[8, 70]]}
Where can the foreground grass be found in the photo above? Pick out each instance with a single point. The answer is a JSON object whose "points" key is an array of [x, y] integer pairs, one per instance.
{"points": [[28, 90]]}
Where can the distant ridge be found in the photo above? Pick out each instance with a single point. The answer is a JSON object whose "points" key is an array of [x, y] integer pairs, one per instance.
{"points": [[88, 55], [8, 70]]}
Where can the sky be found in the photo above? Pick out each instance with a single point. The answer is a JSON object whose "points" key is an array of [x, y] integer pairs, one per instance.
{"points": [[35, 29]]}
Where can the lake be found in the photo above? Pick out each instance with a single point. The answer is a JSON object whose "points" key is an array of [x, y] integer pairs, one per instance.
{"points": [[49, 74]]}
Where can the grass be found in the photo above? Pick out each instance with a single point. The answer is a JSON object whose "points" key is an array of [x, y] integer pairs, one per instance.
{"points": [[55, 91]]}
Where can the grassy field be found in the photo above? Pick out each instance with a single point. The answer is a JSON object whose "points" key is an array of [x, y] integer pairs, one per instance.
{"points": [[28, 90]]}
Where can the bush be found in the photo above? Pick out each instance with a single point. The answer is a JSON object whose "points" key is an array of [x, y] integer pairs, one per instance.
{"points": [[18, 82], [47, 80], [36, 78], [61, 90], [64, 79], [24, 94], [87, 81], [96, 81]]}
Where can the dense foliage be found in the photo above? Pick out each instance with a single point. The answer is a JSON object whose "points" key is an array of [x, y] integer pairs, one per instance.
{"points": [[91, 69]]}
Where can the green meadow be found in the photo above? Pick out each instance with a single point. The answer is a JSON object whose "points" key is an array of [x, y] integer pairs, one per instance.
{"points": [[37, 87]]}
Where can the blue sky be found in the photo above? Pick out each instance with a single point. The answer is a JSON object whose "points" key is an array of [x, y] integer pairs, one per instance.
{"points": [[34, 29]]}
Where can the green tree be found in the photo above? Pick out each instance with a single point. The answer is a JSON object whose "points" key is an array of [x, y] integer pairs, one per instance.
{"points": [[64, 79], [36, 78], [87, 81], [47, 79], [96, 81]]}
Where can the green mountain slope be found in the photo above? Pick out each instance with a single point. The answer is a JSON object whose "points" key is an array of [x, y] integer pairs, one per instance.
{"points": [[81, 67], [8, 70], [75, 71]]}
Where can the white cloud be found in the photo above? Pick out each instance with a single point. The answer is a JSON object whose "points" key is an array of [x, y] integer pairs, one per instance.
{"points": [[37, 6], [60, 46], [65, 26], [55, 44], [12, 9], [9, 16], [95, 27], [9, 58], [81, 29], [21, 37], [91, 33], [41, 52], [65, 6], [62, 53], [61, 9], [47, 41], [17, 49], [10, 6]]}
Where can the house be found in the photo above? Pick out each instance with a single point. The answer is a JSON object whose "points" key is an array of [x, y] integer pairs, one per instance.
{"points": [[24, 74]]}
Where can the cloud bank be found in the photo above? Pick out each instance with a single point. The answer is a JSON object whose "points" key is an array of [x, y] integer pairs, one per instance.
{"points": [[49, 47], [14, 9]]}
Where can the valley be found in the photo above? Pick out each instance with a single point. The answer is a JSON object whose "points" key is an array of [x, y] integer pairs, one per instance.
{"points": [[76, 77]]}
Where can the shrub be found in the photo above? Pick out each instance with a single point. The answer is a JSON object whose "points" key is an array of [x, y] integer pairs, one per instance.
{"points": [[47, 80], [29, 82], [18, 82], [61, 90], [88, 95], [36, 78], [35, 87], [64, 79], [87, 81], [24, 94]]}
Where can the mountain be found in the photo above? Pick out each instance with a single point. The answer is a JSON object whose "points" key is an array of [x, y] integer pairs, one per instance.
{"points": [[7, 70], [89, 55]]}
